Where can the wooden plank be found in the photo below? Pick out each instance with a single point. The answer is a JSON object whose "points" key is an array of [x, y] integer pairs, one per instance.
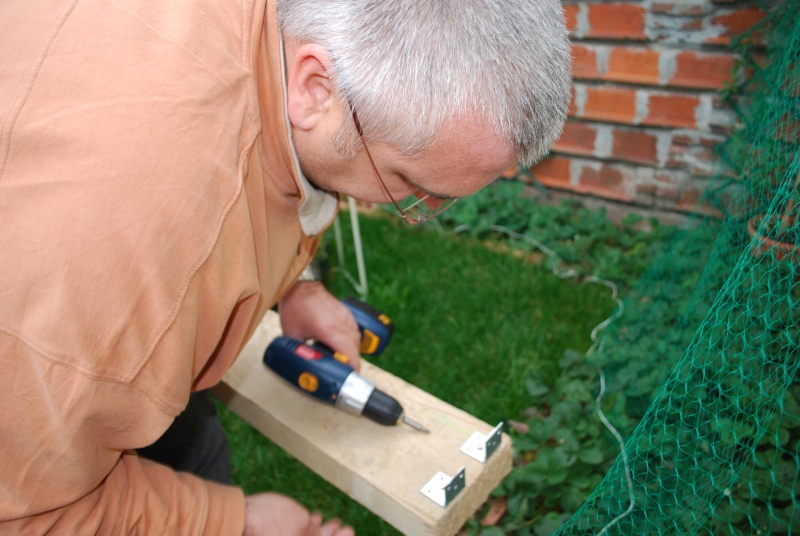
{"points": [[383, 468]]}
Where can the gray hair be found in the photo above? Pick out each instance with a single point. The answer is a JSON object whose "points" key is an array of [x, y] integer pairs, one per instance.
{"points": [[409, 66]]}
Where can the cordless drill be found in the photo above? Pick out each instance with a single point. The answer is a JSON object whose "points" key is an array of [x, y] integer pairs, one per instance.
{"points": [[325, 374]]}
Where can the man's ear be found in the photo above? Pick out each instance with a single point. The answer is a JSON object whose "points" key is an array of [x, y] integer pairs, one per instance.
{"points": [[309, 87]]}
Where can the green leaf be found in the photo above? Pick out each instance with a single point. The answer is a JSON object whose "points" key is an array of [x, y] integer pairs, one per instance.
{"points": [[572, 498], [570, 358], [518, 506], [536, 388], [556, 477], [631, 218], [581, 481], [591, 456], [550, 465], [550, 523]]}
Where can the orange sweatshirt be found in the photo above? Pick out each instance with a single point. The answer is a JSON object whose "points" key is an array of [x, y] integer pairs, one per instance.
{"points": [[149, 199]]}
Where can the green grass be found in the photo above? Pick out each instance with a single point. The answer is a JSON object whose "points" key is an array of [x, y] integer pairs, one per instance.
{"points": [[470, 321]]}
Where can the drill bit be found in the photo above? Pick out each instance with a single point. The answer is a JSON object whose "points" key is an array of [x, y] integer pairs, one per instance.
{"points": [[414, 424]]}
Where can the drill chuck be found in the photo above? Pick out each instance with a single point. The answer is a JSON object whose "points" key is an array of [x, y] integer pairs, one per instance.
{"points": [[360, 397], [383, 409], [354, 394]]}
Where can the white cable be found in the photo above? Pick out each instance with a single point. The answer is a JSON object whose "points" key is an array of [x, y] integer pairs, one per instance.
{"points": [[620, 305], [628, 475], [598, 401], [544, 249]]}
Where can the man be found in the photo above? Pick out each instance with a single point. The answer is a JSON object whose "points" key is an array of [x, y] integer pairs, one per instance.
{"points": [[166, 169]]}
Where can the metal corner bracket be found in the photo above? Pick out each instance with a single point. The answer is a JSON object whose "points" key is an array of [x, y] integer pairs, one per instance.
{"points": [[482, 446], [442, 489]]}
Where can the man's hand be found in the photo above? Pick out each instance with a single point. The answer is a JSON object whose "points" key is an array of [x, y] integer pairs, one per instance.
{"points": [[270, 514], [309, 311]]}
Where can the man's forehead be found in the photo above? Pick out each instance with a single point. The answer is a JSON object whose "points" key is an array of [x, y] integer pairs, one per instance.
{"points": [[469, 143], [467, 155]]}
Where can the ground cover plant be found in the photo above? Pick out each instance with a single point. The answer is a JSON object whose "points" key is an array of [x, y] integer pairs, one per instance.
{"points": [[710, 435], [563, 447], [471, 296]]}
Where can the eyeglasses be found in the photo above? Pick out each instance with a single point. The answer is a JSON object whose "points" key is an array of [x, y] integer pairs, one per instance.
{"points": [[420, 208]]}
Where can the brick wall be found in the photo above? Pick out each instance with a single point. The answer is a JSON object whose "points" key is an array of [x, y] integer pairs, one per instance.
{"points": [[645, 113]]}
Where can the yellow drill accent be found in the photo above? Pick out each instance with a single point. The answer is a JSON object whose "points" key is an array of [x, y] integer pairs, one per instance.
{"points": [[369, 342], [308, 382]]}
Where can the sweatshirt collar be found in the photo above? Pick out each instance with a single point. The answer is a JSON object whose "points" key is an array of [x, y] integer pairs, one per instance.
{"points": [[318, 207]]}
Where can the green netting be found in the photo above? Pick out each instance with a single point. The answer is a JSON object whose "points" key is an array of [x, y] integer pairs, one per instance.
{"points": [[717, 448]]}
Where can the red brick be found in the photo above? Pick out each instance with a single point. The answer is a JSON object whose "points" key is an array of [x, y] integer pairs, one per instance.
{"points": [[668, 179], [678, 150], [553, 172], [702, 71], [673, 163], [584, 62], [690, 201], [572, 110], [703, 154], [511, 172], [694, 200], [735, 23], [644, 188], [672, 111], [608, 182], [676, 8], [634, 146], [634, 65], [705, 170], [605, 103], [668, 192], [576, 138], [695, 23], [571, 16], [675, 23], [706, 141], [616, 21]]}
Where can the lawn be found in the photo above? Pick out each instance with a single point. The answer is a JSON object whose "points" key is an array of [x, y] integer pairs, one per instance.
{"points": [[472, 320]]}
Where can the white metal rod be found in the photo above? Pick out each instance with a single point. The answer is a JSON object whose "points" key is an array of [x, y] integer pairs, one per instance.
{"points": [[362, 271]]}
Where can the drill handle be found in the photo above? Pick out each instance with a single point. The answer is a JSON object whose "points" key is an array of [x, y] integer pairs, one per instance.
{"points": [[376, 327]]}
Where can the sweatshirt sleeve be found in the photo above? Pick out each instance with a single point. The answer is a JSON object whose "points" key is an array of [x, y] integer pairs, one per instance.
{"points": [[143, 497], [68, 465]]}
